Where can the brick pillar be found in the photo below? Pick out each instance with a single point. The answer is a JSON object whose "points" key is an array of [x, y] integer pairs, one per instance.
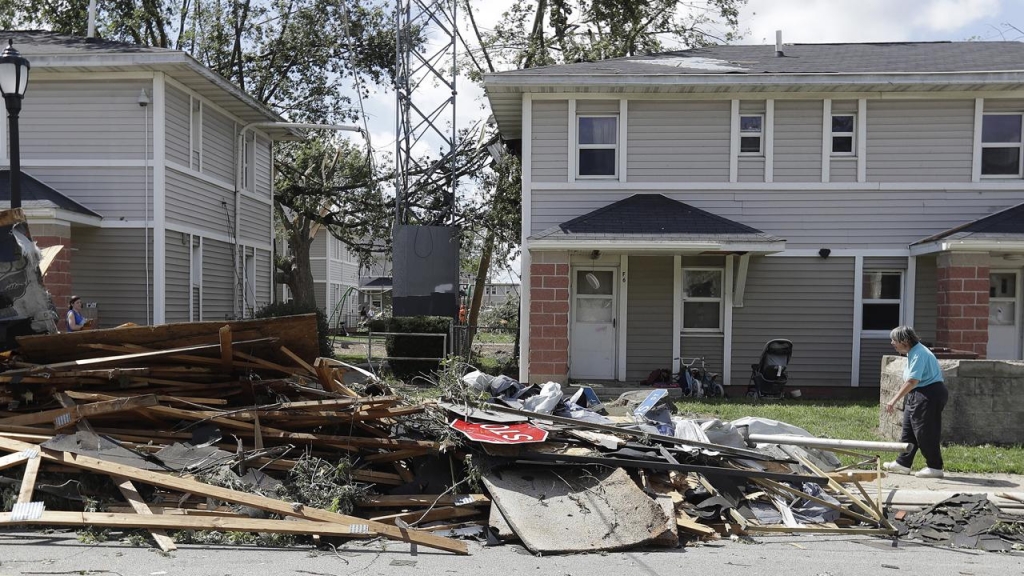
{"points": [[57, 278], [549, 317], [962, 298]]}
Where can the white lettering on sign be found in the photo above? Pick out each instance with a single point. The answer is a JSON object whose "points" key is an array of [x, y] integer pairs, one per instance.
{"points": [[506, 432]]}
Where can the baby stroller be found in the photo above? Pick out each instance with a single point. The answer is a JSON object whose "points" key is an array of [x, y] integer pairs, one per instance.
{"points": [[768, 377]]}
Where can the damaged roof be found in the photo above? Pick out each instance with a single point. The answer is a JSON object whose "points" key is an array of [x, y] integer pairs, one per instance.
{"points": [[1005, 228]]}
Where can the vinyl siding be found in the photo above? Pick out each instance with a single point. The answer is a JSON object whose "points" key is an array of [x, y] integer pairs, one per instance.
{"points": [[263, 166], [871, 352], [318, 249], [255, 221], [584, 107], [648, 317], [112, 192], [550, 146], [320, 293], [750, 169], [1004, 105], [84, 120], [843, 169], [671, 141], [199, 203], [178, 126], [109, 268], [263, 278], [708, 347], [925, 299], [318, 267], [218, 280], [178, 267], [218, 146], [920, 140], [808, 301], [798, 140]]}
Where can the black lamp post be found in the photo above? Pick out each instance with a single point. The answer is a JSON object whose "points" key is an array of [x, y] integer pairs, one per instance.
{"points": [[13, 83]]}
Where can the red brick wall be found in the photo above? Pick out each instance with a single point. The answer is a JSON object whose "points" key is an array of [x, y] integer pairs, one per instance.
{"points": [[57, 278], [963, 285], [549, 317]]}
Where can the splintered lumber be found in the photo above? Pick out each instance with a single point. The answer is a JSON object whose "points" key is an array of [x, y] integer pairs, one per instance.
{"points": [[854, 476], [82, 411], [430, 515], [689, 524], [261, 502], [298, 333], [419, 500]]}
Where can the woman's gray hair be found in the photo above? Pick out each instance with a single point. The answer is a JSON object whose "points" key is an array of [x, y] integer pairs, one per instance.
{"points": [[904, 334]]}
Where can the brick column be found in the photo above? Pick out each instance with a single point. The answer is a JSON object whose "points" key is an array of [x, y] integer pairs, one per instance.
{"points": [[57, 278], [549, 317], [962, 298]]}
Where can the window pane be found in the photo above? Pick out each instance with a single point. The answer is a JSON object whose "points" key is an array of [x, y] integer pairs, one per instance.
{"points": [[842, 143], [594, 310], [594, 282], [842, 124], [881, 285], [1000, 128], [881, 316], [597, 130], [1002, 286], [597, 162], [750, 123], [750, 144], [1000, 161], [1002, 313], [702, 283], [700, 315]]}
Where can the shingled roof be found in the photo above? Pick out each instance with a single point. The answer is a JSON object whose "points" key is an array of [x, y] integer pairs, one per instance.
{"points": [[36, 194], [1006, 224]]}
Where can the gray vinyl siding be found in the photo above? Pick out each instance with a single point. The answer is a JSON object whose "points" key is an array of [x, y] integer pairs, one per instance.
{"points": [[318, 249], [218, 146], [925, 300], [85, 120], [109, 268], [255, 221], [843, 169], [549, 156], [752, 106], [711, 348], [678, 141], [871, 352], [218, 280], [920, 140], [263, 278], [885, 263], [750, 169], [808, 301], [648, 319], [1004, 105], [263, 166], [844, 107], [798, 141], [320, 294], [111, 192], [318, 266], [199, 203], [178, 126], [178, 267], [584, 107]]}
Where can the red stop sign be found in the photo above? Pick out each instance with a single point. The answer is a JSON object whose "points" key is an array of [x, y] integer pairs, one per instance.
{"points": [[521, 433]]}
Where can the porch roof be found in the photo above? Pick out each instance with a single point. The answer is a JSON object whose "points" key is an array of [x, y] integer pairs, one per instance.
{"points": [[37, 196], [655, 222], [1002, 231]]}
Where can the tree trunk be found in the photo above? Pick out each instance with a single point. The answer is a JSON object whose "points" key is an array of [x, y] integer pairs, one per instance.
{"points": [[478, 291], [300, 277]]}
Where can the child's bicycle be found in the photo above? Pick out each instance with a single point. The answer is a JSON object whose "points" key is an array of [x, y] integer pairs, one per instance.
{"points": [[697, 382]]}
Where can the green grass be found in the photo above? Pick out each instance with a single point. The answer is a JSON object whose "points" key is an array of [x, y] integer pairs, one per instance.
{"points": [[487, 337], [849, 420]]}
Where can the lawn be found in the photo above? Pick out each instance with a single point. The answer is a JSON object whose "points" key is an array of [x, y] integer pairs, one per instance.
{"points": [[854, 421]]}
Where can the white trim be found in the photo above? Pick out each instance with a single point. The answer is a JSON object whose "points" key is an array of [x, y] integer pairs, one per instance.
{"points": [[1019, 145], [993, 94], [59, 216], [207, 102], [594, 185], [656, 246], [195, 137], [720, 299], [80, 162], [862, 139], [910, 291], [571, 164], [218, 236], [575, 296], [858, 318], [257, 197], [186, 171], [579, 147], [159, 201], [727, 289], [979, 118], [622, 134], [53, 76], [734, 140], [854, 144], [740, 283], [845, 253], [525, 259], [677, 311], [620, 325], [740, 135], [967, 246], [769, 140], [826, 139]]}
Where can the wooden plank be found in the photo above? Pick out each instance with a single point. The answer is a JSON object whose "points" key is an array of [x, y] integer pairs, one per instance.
{"points": [[421, 500], [12, 460], [689, 524], [110, 395], [852, 476], [28, 481], [135, 500], [431, 515], [298, 360], [225, 347], [262, 502], [269, 365], [83, 411]]}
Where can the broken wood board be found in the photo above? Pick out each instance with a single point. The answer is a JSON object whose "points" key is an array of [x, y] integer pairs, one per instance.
{"points": [[583, 511]]}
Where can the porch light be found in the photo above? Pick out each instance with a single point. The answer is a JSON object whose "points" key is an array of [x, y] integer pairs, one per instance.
{"points": [[13, 84]]}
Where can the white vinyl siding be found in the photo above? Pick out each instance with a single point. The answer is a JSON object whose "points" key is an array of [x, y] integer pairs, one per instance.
{"points": [[218, 146], [255, 221], [112, 192], [676, 141], [264, 167], [109, 268], [218, 277], [798, 140], [709, 347], [649, 316], [550, 147], [920, 140], [177, 126], [263, 278], [195, 202], [178, 268]]}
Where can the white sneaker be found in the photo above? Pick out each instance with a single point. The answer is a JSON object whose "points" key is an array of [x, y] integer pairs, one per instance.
{"points": [[929, 473], [896, 467]]}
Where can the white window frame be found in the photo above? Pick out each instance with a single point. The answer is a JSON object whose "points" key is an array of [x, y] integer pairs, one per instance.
{"points": [[1019, 146], [249, 162], [684, 299], [759, 134], [249, 288], [864, 300], [615, 147], [195, 131], [852, 134]]}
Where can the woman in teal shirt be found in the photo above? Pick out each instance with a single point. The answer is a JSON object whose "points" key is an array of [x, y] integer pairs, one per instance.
{"points": [[922, 412]]}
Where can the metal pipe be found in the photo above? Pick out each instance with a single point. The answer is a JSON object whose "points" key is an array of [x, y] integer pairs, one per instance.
{"points": [[827, 442]]}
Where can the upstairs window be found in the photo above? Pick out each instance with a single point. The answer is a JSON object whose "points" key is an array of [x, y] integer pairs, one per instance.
{"points": [[249, 162], [197, 134], [597, 146], [751, 135], [843, 134], [702, 299], [882, 300], [1001, 145]]}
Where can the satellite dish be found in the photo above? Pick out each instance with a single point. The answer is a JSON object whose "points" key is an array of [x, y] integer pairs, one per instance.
{"points": [[592, 280]]}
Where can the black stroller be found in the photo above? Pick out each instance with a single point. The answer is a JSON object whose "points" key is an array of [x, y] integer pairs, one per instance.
{"points": [[768, 377]]}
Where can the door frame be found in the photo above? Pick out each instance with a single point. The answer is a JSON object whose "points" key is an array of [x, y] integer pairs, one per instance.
{"points": [[616, 325], [1018, 298]]}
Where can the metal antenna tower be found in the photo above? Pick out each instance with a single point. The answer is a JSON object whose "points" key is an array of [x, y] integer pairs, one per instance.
{"points": [[433, 21]]}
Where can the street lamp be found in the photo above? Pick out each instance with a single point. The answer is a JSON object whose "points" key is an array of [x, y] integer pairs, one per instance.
{"points": [[13, 83]]}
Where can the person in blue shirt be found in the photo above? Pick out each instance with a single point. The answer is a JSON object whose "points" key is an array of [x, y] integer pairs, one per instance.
{"points": [[926, 396], [75, 319]]}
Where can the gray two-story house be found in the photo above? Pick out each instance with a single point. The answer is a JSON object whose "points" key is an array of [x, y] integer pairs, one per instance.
{"points": [[702, 202], [153, 173]]}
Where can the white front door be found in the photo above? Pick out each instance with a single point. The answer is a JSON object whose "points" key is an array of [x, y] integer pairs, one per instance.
{"points": [[592, 338], [1004, 315]]}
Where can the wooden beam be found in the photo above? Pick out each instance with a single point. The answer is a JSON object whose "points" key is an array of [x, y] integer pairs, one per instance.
{"points": [[853, 476], [12, 460], [28, 481], [82, 411], [309, 369], [135, 500], [225, 347], [420, 500], [431, 515]]}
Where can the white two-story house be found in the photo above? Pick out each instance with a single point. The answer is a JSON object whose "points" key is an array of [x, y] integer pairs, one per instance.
{"points": [[702, 202], [153, 173]]}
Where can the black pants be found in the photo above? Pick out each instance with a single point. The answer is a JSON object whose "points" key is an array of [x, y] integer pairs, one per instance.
{"points": [[922, 424]]}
